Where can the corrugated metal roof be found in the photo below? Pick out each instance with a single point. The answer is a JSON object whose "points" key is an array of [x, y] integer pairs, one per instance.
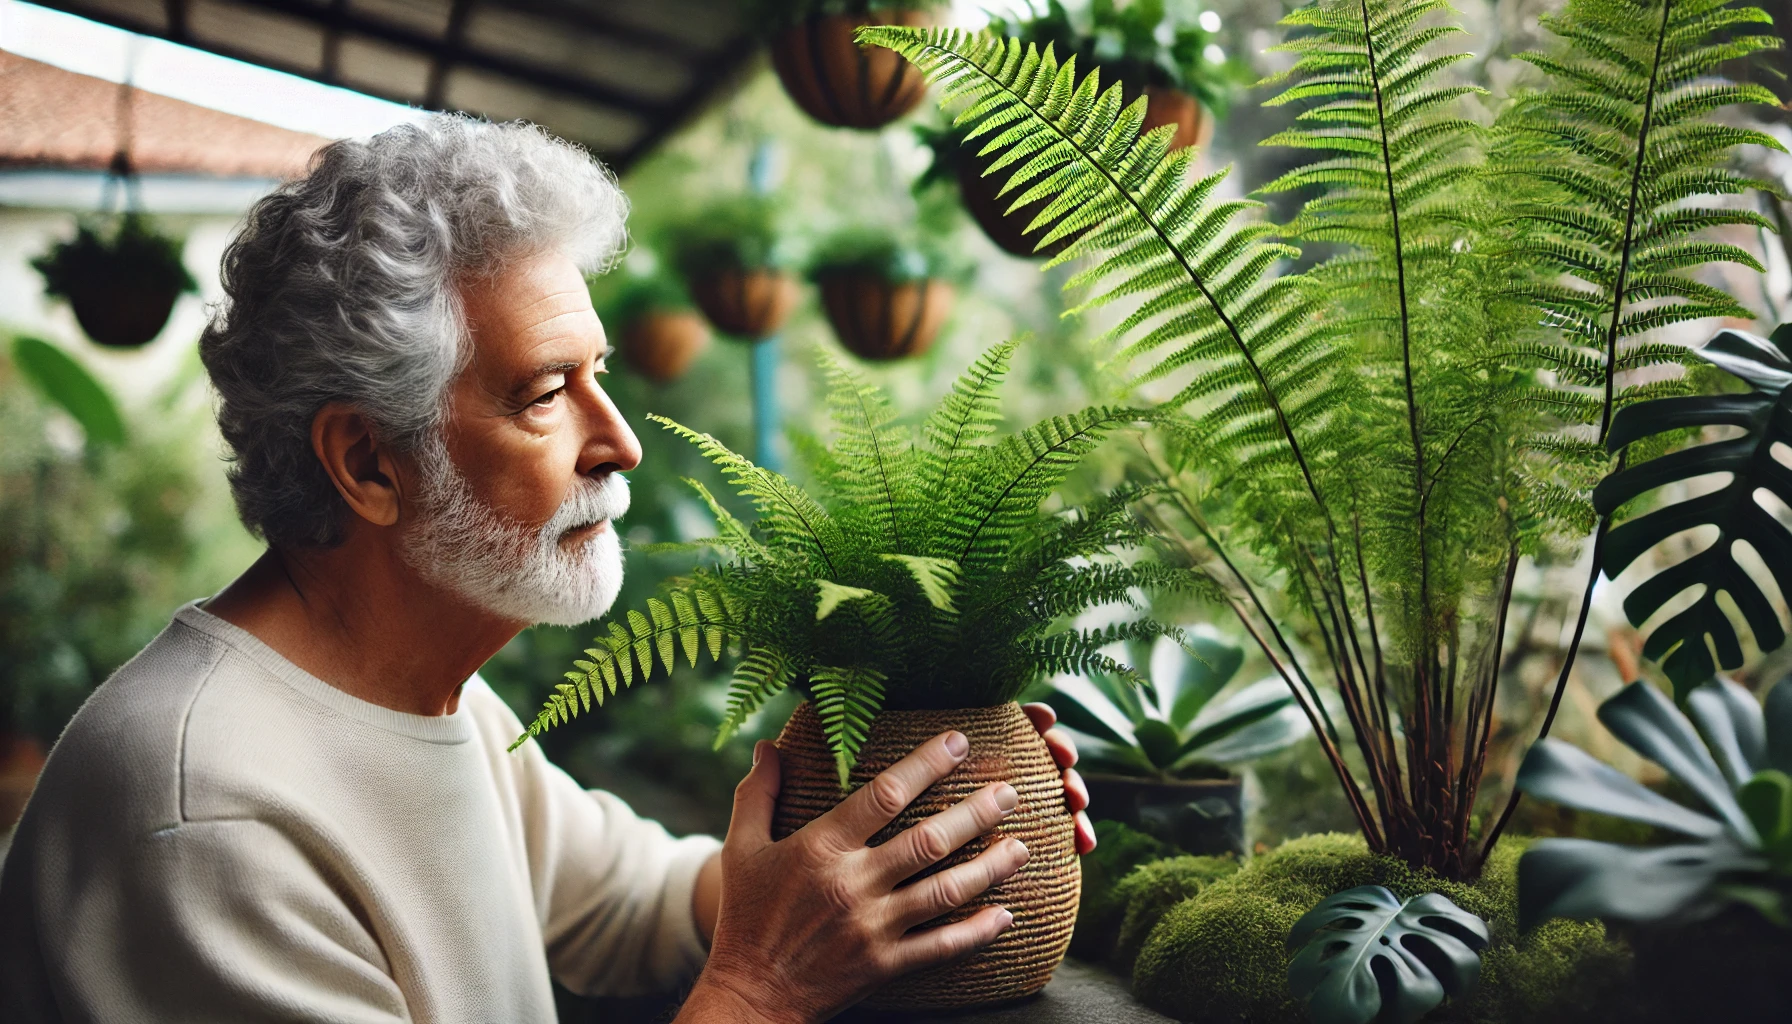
{"points": [[614, 75]]}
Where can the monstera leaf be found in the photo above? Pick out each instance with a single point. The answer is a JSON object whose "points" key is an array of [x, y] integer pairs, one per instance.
{"points": [[1366, 955], [1735, 762], [1766, 420]]}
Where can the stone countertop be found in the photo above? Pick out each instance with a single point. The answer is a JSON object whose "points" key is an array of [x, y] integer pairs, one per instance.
{"points": [[1079, 993]]}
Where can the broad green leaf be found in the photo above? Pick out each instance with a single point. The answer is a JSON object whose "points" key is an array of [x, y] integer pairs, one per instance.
{"points": [[61, 379], [1366, 955]]}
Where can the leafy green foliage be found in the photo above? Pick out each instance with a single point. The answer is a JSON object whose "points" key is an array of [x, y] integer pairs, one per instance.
{"points": [[924, 576], [891, 255], [1765, 418], [101, 255], [737, 233], [1175, 727], [1144, 42], [1390, 431], [1740, 846]]}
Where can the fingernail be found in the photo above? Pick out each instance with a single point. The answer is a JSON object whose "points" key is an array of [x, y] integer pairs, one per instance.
{"points": [[1006, 798], [1025, 854], [1007, 919], [956, 744], [758, 748]]}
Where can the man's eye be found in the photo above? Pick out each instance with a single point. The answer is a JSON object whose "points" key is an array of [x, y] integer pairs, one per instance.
{"points": [[548, 399]]}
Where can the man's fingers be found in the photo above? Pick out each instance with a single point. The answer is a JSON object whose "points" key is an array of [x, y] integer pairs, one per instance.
{"points": [[1085, 835], [1041, 715], [754, 800], [949, 942], [860, 815], [1063, 748], [931, 841], [957, 885], [1076, 792]]}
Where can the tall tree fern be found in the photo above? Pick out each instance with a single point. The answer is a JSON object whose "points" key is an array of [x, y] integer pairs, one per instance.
{"points": [[923, 573], [1361, 453]]}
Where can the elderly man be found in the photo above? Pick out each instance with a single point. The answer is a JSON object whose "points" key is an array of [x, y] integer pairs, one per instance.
{"points": [[296, 804]]}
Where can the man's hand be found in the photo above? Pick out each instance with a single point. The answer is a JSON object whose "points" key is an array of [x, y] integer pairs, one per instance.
{"points": [[1064, 753], [811, 924]]}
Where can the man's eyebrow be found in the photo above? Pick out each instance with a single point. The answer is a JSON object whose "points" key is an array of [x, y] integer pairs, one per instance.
{"points": [[526, 383]]}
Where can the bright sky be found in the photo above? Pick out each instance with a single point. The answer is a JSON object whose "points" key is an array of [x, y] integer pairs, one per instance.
{"points": [[184, 73]]}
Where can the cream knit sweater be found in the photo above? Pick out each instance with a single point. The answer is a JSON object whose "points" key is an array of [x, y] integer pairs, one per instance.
{"points": [[219, 836]]}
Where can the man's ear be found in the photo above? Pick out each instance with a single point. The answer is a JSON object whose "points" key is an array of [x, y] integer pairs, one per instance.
{"points": [[361, 467]]}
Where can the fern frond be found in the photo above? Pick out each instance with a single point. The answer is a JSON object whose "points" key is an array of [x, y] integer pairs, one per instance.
{"points": [[763, 673], [846, 699]]}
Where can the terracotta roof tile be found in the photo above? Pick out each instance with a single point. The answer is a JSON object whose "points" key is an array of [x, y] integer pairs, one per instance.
{"points": [[55, 118]]}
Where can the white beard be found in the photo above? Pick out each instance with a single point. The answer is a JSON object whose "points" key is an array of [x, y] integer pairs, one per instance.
{"points": [[462, 545]]}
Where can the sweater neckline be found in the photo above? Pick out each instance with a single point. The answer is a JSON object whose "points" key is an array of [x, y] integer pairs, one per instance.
{"points": [[457, 727]]}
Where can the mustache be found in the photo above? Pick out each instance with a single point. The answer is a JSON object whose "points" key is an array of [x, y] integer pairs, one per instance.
{"points": [[592, 500]]}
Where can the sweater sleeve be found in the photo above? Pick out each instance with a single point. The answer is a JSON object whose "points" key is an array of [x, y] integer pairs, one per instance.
{"points": [[612, 889], [222, 921]]}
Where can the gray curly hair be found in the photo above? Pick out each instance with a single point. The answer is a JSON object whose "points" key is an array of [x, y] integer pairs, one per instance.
{"points": [[340, 287]]}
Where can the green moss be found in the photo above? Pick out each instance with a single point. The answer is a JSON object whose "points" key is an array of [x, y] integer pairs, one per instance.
{"points": [[1118, 849], [1218, 957], [1149, 892], [1221, 956]]}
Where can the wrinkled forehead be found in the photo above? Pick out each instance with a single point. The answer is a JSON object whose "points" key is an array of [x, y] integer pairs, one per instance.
{"points": [[528, 316]]}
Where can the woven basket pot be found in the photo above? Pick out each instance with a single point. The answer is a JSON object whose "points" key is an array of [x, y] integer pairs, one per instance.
{"points": [[122, 314], [839, 83], [750, 304], [661, 344], [879, 320], [1042, 895]]}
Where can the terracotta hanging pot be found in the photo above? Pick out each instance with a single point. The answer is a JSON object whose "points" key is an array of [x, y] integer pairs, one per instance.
{"points": [[1165, 105], [1042, 895], [879, 319], [1008, 230], [662, 343], [750, 304], [839, 83]]}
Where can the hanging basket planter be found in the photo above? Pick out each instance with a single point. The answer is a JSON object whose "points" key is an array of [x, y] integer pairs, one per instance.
{"points": [[122, 284], [746, 303], [1042, 895], [662, 343], [840, 83], [879, 319], [1167, 105]]}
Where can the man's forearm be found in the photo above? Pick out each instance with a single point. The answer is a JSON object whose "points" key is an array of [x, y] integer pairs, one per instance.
{"points": [[706, 897]]}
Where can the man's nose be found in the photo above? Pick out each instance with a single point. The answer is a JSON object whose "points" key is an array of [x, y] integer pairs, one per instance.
{"points": [[610, 444]]}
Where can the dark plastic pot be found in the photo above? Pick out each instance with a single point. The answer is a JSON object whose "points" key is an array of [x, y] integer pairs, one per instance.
{"points": [[881, 320], [122, 314], [750, 304], [840, 83], [1201, 816], [662, 343]]}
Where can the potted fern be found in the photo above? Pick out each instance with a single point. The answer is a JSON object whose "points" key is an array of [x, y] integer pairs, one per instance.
{"points": [[886, 298], [122, 281], [734, 260], [919, 589], [1157, 758], [827, 73], [1361, 452], [659, 332]]}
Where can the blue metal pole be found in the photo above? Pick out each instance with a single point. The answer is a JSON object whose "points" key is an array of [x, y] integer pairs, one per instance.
{"points": [[761, 168]]}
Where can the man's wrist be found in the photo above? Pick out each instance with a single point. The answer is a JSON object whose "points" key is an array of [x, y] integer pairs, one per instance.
{"points": [[717, 998]]}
